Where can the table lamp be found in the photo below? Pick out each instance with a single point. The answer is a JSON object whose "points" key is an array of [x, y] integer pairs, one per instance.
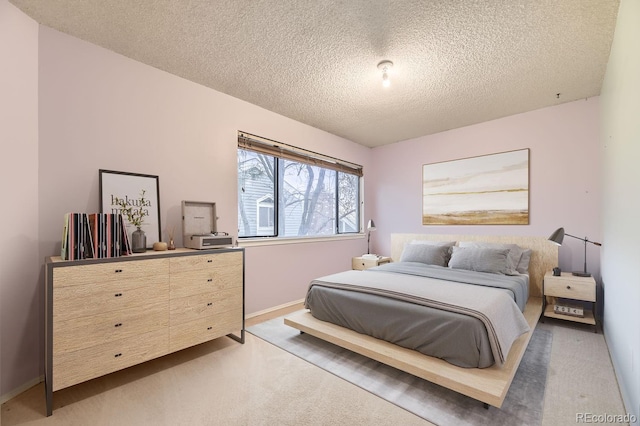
{"points": [[371, 226], [558, 236]]}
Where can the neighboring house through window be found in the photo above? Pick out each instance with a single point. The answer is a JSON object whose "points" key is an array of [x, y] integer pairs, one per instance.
{"points": [[265, 215], [285, 191]]}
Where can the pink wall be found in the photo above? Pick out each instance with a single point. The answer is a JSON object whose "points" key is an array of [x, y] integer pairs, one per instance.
{"points": [[99, 110], [119, 114], [564, 173], [20, 264]]}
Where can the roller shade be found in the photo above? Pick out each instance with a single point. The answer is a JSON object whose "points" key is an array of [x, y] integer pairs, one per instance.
{"points": [[276, 149]]}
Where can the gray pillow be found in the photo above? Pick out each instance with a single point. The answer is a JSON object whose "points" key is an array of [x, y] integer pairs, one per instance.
{"points": [[425, 253], [437, 243], [492, 260], [523, 265], [513, 258]]}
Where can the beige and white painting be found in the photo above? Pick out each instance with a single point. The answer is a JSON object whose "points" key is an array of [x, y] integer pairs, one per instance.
{"points": [[487, 190]]}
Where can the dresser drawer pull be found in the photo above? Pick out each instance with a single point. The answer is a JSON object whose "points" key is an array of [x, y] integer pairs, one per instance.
{"points": [[568, 287], [117, 295], [118, 270], [118, 325], [209, 328], [117, 355], [209, 260], [210, 304]]}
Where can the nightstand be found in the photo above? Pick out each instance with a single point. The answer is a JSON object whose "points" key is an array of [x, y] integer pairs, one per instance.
{"points": [[568, 286], [360, 263]]}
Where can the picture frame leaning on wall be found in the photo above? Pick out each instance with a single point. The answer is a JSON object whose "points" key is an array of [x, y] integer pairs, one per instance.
{"points": [[130, 186]]}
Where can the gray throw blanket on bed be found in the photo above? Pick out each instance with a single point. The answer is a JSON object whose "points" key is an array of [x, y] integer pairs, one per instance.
{"points": [[497, 311]]}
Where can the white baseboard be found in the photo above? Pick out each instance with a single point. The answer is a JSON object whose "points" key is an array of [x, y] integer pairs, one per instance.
{"points": [[275, 308], [17, 391]]}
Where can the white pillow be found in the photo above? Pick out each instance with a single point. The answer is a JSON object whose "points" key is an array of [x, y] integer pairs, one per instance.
{"points": [[513, 258]]}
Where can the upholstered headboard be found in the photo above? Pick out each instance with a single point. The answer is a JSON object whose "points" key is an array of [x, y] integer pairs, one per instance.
{"points": [[544, 254]]}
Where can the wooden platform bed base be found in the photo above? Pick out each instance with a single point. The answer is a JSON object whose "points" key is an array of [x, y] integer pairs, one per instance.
{"points": [[488, 385]]}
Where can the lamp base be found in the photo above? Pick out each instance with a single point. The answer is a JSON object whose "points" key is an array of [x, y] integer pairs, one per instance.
{"points": [[581, 274]]}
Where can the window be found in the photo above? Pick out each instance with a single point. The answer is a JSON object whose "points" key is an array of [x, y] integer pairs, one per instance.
{"points": [[265, 215], [288, 192]]}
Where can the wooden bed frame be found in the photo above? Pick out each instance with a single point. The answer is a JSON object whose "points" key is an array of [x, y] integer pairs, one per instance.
{"points": [[488, 385]]}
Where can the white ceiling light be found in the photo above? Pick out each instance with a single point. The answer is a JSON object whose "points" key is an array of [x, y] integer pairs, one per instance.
{"points": [[385, 66]]}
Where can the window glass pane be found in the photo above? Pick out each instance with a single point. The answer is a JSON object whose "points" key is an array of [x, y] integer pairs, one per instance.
{"points": [[348, 203], [256, 192], [307, 200]]}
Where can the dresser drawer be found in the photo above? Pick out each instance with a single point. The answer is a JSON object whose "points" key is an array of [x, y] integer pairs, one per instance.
{"points": [[84, 332], [206, 261], [570, 289], [79, 366], [109, 271], [102, 297], [205, 281], [204, 329], [202, 305]]}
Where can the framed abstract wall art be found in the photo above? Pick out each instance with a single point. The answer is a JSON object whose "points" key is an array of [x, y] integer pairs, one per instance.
{"points": [[486, 190]]}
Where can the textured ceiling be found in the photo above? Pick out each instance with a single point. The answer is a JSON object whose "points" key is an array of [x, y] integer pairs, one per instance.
{"points": [[456, 62]]}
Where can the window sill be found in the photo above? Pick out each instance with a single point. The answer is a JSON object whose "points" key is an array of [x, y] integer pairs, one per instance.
{"points": [[272, 241]]}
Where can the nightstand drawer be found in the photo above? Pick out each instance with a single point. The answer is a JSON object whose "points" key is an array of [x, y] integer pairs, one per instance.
{"points": [[570, 289], [359, 263]]}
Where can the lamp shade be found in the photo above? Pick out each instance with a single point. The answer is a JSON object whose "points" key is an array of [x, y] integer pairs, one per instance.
{"points": [[557, 237], [371, 226]]}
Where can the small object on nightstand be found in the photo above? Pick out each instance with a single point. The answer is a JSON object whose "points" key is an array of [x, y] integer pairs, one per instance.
{"points": [[556, 272]]}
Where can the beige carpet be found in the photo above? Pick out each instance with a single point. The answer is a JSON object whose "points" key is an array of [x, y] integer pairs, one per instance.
{"points": [[218, 383], [580, 377], [225, 383]]}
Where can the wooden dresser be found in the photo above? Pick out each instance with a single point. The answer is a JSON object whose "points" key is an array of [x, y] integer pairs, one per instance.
{"points": [[103, 315]]}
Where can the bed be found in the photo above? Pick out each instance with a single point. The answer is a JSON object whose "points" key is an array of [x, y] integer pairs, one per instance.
{"points": [[467, 349]]}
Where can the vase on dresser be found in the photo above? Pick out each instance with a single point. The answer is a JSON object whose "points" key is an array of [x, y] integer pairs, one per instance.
{"points": [[138, 241]]}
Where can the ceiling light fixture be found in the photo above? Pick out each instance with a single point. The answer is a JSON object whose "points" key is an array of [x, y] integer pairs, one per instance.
{"points": [[385, 66]]}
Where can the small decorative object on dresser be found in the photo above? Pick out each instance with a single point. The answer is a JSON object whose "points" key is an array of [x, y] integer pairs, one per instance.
{"points": [[368, 261], [159, 246], [562, 297]]}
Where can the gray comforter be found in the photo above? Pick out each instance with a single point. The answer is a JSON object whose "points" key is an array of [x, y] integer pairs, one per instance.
{"points": [[412, 305]]}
